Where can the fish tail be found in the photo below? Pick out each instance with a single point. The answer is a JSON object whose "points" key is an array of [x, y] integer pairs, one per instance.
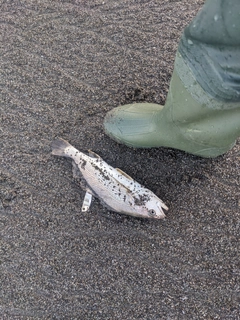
{"points": [[59, 146]]}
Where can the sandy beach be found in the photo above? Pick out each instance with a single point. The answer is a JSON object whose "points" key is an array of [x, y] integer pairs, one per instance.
{"points": [[64, 65]]}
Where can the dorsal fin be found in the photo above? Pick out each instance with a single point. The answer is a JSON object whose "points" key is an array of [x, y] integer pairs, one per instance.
{"points": [[124, 174], [124, 179], [93, 154]]}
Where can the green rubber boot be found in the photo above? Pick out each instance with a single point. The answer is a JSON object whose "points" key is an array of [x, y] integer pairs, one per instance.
{"points": [[202, 111]]}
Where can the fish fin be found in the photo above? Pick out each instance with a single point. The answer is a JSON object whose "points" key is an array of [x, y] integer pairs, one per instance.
{"points": [[93, 154], [124, 174], [79, 178], [75, 170], [59, 146]]}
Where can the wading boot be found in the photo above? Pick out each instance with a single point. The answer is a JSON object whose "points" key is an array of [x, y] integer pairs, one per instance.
{"points": [[202, 111]]}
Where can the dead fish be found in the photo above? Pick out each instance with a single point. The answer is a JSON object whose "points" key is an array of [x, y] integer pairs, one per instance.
{"points": [[115, 189]]}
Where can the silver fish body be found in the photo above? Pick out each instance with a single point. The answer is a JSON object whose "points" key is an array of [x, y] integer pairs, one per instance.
{"points": [[112, 186]]}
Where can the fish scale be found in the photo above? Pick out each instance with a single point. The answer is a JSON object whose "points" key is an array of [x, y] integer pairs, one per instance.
{"points": [[116, 190]]}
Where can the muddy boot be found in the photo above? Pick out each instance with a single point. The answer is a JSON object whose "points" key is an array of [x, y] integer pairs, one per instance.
{"points": [[202, 111]]}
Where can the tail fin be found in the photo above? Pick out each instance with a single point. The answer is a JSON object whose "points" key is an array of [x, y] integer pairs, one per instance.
{"points": [[59, 146]]}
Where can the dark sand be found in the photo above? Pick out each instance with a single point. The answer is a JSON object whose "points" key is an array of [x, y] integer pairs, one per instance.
{"points": [[64, 65]]}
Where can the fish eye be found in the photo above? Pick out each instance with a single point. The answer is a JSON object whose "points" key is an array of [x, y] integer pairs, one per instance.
{"points": [[152, 212]]}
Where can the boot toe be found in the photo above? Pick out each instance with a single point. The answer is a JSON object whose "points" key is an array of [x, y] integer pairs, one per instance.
{"points": [[131, 124]]}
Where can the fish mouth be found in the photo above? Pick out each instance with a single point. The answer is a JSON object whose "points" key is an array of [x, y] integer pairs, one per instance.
{"points": [[161, 216]]}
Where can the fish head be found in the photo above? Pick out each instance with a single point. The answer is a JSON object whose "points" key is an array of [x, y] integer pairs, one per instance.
{"points": [[149, 205], [153, 209]]}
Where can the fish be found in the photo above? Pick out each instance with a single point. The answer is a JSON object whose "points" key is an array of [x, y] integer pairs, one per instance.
{"points": [[113, 187]]}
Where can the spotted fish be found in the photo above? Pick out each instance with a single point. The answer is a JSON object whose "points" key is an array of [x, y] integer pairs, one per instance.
{"points": [[117, 190]]}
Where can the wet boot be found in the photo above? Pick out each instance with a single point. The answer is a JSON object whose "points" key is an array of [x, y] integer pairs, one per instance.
{"points": [[202, 111]]}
